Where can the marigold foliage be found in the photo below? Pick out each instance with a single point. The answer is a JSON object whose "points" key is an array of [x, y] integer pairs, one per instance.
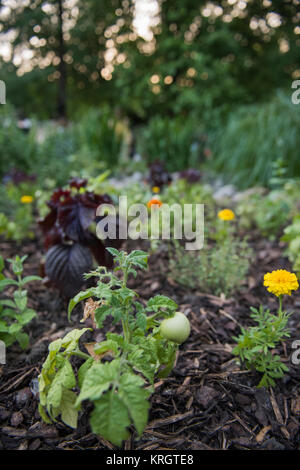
{"points": [[256, 345]]}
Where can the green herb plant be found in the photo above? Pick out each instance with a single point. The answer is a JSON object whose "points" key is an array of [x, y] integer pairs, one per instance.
{"points": [[217, 269], [255, 344], [118, 374], [14, 312]]}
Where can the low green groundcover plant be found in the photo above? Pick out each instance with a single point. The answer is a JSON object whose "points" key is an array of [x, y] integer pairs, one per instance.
{"points": [[117, 375], [217, 270], [266, 212], [14, 312]]}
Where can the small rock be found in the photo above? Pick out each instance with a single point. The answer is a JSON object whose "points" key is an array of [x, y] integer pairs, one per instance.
{"points": [[224, 192], [206, 396], [243, 195], [34, 387], [16, 419], [23, 396], [154, 286]]}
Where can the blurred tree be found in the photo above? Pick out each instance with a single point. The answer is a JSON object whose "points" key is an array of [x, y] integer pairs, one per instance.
{"points": [[36, 30], [207, 54], [201, 55], [58, 46]]}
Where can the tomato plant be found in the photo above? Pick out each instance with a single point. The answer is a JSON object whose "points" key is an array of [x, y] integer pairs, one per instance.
{"points": [[117, 374]]}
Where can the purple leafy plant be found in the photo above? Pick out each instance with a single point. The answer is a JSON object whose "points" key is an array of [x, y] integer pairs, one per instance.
{"points": [[70, 243], [158, 175]]}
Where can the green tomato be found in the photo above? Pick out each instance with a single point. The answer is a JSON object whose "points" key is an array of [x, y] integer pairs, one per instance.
{"points": [[176, 328]]}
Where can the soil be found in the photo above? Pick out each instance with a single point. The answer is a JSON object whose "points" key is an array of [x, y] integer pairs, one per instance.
{"points": [[207, 402]]}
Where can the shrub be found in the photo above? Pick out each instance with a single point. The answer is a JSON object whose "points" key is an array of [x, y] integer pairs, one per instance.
{"points": [[101, 138], [174, 142], [57, 162]]}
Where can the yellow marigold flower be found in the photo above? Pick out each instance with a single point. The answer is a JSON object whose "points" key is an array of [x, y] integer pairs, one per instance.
{"points": [[26, 199], [226, 214], [156, 189], [281, 282], [154, 202]]}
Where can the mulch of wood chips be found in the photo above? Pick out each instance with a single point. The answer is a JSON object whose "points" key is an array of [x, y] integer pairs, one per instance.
{"points": [[207, 402]]}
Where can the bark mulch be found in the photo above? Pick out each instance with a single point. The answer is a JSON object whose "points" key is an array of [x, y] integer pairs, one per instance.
{"points": [[207, 402]]}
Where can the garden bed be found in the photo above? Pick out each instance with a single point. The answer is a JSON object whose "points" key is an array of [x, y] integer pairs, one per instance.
{"points": [[207, 402]]}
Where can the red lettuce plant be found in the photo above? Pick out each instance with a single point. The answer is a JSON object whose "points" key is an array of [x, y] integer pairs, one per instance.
{"points": [[71, 245]]}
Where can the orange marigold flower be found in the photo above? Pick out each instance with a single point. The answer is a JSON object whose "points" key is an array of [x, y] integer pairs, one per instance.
{"points": [[226, 214], [26, 199], [154, 202], [281, 282]]}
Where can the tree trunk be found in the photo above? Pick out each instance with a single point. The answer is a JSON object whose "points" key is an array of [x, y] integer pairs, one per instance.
{"points": [[62, 84]]}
